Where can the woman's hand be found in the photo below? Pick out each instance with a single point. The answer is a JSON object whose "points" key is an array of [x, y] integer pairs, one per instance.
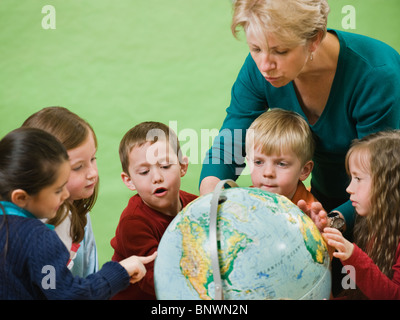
{"points": [[208, 184], [316, 212]]}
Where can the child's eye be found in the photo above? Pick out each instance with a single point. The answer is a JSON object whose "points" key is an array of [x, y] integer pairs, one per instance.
{"points": [[59, 190], [166, 166], [143, 173], [77, 168], [258, 162], [282, 164]]}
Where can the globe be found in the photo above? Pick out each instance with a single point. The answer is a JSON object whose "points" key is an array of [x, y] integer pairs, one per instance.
{"points": [[265, 248]]}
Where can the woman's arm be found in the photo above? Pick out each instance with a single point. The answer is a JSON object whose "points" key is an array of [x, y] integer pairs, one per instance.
{"points": [[225, 159]]}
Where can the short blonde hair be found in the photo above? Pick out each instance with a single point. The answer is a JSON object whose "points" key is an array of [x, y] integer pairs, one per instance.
{"points": [[148, 131], [293, 21], [279, 130]]}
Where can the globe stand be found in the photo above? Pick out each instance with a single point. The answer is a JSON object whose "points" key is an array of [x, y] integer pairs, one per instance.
{"points": [[215, 201]]}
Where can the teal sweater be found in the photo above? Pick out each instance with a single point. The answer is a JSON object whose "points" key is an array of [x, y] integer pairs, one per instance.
{"points": [[364, 98]]}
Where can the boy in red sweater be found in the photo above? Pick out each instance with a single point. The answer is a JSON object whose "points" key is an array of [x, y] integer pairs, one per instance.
{"points": [[152, 165]]}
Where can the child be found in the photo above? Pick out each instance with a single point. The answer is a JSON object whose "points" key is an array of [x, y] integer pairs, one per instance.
{"points": [[152, 165], [34, 171], [72, 222], [279, 148], [373, 163]]}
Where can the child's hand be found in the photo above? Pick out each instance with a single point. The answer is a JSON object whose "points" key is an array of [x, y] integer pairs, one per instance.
{"points": [[134, 265], [334, 238], [316, 212]]}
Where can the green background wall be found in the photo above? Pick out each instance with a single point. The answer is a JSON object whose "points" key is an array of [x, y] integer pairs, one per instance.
{"points": [[117, 63]]}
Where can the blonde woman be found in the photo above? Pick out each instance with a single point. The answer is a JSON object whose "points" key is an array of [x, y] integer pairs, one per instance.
{"points": [[345, 85]]}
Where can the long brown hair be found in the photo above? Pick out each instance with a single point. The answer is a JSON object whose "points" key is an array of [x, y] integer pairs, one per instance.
{"points": [[378, 233], [71, 130]]}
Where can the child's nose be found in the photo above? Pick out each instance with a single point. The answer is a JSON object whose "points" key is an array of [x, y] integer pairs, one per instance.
{"points": [[349, 189], [268, 171], [157, 176], [92, 172]]}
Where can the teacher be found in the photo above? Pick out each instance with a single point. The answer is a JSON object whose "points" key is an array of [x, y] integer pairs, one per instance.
{"points": [[345, 85]]}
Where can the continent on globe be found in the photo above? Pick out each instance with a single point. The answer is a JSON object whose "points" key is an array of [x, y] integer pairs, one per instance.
{"points": [[195, 262], [313, 240]]}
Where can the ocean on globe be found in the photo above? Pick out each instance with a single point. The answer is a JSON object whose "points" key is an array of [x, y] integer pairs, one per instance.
{"points": [[267, 249]]}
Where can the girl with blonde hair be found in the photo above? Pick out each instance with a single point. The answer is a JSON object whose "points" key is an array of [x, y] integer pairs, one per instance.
{"points": [[72, 222], [374, 166]]}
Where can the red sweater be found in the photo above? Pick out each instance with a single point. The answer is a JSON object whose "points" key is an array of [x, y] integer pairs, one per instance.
{"points": [[303, 194], [370, 280], [138, 233]]}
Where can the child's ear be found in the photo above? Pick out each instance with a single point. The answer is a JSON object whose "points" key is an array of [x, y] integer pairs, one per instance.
{"points": [[306, 171], [20, 198], [184, 163], [128, 181]]}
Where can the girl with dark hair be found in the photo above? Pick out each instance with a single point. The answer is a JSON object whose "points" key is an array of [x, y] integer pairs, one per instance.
{"points": [[34, 171]]}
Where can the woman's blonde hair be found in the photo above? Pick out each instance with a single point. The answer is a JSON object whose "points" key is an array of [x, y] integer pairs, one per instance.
{"points": [[293, 21], [71, 130], [278, 130], [378, 233]]}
